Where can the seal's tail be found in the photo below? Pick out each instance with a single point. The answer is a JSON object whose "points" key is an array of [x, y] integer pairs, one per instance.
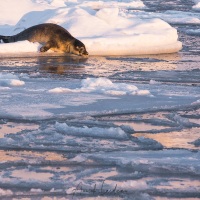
{"points": [[4, 38]]}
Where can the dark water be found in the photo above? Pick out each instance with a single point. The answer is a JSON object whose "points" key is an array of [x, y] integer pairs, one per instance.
{"points": [[160, 6]]}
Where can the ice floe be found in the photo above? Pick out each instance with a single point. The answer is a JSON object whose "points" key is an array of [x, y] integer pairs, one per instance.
{"points": [[107, 31], [85, 131], [10, 80], [197, 5], [66, 137], [196, 142], [103, 86], [45, 97]]}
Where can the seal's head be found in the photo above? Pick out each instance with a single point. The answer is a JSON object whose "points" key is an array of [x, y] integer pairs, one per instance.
{"points": [[79, 48]]}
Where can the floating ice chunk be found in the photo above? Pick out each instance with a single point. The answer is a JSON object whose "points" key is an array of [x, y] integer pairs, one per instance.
{"points": [[79, 158], [147, 142], [193, 32], [153, 82], [111, 133], [4, 88], [130, 184], [10, 80], [16, 82], [197, 5], [103, 86], [196, 142], [60, 90], [36, 190], [196, 102], [106, 86], [4, 192], [182, 121]]}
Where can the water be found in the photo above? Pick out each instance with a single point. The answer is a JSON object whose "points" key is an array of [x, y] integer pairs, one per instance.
{"points": [[60, 145]]}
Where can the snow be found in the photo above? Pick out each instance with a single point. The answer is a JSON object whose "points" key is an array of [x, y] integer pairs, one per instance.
{"points": [[85, 131], [103, 86], [154, 82], [107, 31], [197, 5], [10, 15], [36, 190], [24, 46], [10, 80], [5, 192], [107, 4]]}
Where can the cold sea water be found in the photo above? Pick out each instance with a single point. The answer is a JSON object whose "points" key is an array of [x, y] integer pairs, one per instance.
{"points": [[107, 127]]}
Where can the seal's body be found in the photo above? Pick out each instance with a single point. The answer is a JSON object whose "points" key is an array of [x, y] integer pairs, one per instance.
{"points": [[51, 36]]}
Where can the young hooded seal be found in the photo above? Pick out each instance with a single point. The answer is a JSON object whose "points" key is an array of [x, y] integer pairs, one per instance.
{"points": [[51, 36]]}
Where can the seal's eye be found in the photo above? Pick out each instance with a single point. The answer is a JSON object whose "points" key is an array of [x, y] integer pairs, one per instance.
{"points": [[81, 50]]}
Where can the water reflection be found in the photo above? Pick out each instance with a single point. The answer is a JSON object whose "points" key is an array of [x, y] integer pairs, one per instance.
{"points": [[30, 156], [141, 126], [51, 63], [61, 64], [175, 139], [97, 65], [25, 174], [11, 128]]}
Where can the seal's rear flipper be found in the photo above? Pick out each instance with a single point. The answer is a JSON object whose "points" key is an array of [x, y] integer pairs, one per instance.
{"points": [[47, 46], [4, 38]]}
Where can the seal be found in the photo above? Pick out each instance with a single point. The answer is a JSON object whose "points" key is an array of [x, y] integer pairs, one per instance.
{"points": [[51, 36]]}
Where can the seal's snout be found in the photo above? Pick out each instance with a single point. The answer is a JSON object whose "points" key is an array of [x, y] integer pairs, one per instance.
{"points": [[82, 51], [79, 47], [85, 53]]}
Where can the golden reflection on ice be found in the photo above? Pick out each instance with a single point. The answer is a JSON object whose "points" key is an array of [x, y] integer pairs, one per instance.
{"points": [[30, 156], [11, 128], [104, 174], [140, 126], [180, 184], [25, 174], [7, 156], [175, 139]]}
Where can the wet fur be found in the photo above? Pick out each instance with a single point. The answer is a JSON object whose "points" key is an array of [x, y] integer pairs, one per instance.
{"points": [[51, 36]]}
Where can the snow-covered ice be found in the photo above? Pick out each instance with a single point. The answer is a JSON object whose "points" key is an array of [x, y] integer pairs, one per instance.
{"points": [[106, 31], [10, 80], [105, 86], [197, 5]]}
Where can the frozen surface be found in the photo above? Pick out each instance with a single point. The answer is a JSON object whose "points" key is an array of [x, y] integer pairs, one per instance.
{"points": [[106, 30], [197, 5], [103, 86], [106, 127]]}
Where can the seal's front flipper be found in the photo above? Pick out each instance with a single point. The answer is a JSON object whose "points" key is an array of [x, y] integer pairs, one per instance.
{"points": [[4, 38], [47, 46], [44, 49]]}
